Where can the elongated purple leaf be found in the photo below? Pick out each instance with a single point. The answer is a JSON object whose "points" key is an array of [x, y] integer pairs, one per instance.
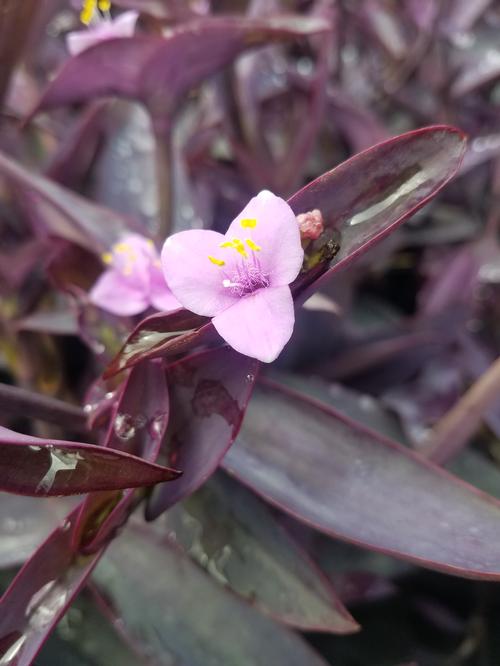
{"points": [[161, 335], [40, 595], [138, 426], [164, 603], [356, 485], [370, 195], [147, 68], [64, 213], [37, 467], [21, 402], [235, 536], [209, 393]]}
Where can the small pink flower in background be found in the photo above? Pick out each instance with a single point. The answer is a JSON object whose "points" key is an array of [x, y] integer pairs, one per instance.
{"points": [[95, 14], [241, 278], [134, 280]]}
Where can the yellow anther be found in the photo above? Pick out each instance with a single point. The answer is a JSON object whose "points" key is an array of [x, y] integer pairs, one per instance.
{"points": [[104, 5], [124, 248], [248, 223], [236, 244], [253, 246], [239, 247], [88, 11], [150, 243], [107, 258], [217, 262]]}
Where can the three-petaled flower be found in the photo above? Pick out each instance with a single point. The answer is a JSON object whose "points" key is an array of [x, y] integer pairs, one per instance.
{"points": [[134, 280], [241, 278], [101, 27]]}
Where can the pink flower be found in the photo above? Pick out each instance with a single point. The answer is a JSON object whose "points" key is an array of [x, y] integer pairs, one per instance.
{"points": [[101, 28], [241, 278], [134, 280]]}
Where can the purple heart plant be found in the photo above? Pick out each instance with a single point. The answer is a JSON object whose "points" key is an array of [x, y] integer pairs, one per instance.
{"points": [[250, 416]]}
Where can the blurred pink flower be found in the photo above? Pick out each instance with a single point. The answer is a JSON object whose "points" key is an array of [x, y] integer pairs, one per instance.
{"points": [[101, 28], [134, 280], [241, 278]]}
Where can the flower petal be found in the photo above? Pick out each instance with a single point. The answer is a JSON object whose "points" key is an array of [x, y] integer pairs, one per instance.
{"points": [[160, 295], [259, 325], [276, 233], [114, 293], [122, 26], [193, 278], [133, 256]]}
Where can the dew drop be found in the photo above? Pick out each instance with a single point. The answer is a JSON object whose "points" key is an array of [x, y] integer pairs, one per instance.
{"points": [[124, 427], [66, 525]]}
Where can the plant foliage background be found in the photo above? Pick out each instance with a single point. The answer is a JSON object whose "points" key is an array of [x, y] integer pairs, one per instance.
{"points": [[353, 521]]}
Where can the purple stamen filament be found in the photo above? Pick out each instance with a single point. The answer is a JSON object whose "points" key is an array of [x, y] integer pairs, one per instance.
{"points": [[249, 278]]}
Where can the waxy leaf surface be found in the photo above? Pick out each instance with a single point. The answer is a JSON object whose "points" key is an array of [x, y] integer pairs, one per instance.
{"points": [[147, 68], [64, 213], [349, 482], [209, 393], [176, 613], [24, 523], [161, 335], [40, 595], [370, 195], [239, 541], [138, 425], [38, 467]]}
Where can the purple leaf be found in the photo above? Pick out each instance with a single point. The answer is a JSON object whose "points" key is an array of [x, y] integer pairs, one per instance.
{"points": [[21, 402], [24, 523], [235, 536], [161, 9], [64, 213], [360, 126], [462, 14], [351, 483], [173, 610], [147, 68], [54, 322], [40, 595], [384, 24], [162, 335], [209, 393], [370, 195], [481, 68], [38, 467], [138, 426]]}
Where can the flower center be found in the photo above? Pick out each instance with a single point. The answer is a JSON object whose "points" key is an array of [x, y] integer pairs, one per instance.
{"points": [[249, 276], [247, 280]]}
